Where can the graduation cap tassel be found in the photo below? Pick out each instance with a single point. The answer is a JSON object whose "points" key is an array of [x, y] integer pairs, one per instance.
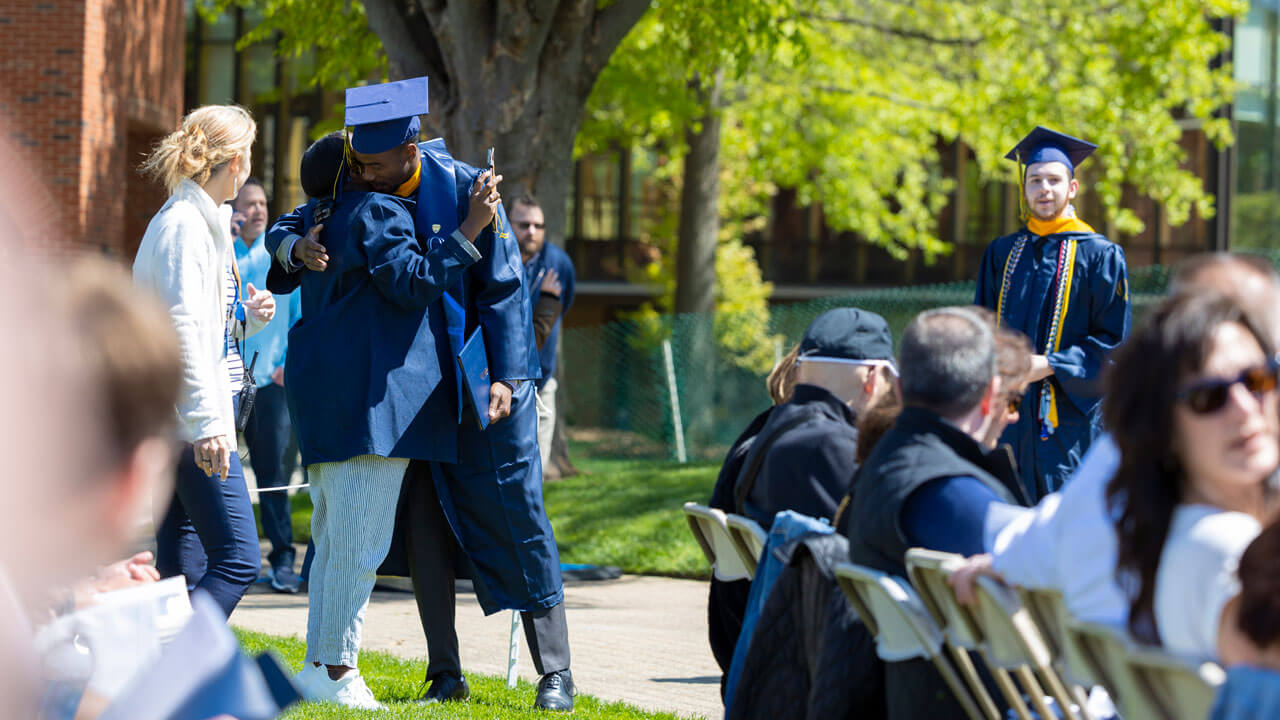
{"points": [[1024, 212]]}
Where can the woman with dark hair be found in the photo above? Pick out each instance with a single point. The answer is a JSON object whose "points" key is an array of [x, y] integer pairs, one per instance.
{"points": [[1191, 400], [1258, 617]]}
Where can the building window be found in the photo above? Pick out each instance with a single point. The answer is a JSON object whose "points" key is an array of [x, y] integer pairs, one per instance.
{"points": [[1257, 202]]}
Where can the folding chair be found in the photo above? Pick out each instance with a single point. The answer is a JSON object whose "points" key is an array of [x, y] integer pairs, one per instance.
{"points": [[929, 571], [709, 529], [1170, 687], [748, 538], [1049, 611], [901, 625], [1095, 655], [1013, 641]]}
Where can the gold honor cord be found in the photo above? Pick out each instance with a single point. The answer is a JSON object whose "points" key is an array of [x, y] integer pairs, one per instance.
{"points": [[1061, 301]]}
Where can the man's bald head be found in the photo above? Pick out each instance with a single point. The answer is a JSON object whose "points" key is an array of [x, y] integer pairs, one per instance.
{"points": [[1250, 280]]}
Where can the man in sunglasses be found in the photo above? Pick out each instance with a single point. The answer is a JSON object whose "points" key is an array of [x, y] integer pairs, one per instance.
{"points": [[1068, 542], [802, 460], [549, 276]]}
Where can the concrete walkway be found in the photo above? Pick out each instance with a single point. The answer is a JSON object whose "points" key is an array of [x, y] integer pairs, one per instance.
{"points": [[641, 640]]}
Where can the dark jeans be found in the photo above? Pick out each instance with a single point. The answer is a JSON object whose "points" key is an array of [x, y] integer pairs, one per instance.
{"points": [[268, 436], [208, 533]]}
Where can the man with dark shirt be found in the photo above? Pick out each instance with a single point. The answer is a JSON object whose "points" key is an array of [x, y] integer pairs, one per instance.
{"points": [[930, 482], [803, 458], [549, 275]]}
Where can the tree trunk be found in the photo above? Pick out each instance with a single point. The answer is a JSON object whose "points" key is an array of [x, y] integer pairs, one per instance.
{"points": [[700, 207], [511, 74], [693, 337]]}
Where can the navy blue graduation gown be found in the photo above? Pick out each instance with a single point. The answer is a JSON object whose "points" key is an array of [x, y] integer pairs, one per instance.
{"points": [[1097, 320], [366, 376], [491, 492]]}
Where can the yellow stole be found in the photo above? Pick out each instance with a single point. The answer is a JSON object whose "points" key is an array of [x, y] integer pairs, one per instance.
{"points": [[1062, 224], [410, 186]]}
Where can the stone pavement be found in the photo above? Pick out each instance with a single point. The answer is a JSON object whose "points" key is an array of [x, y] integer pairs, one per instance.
{"points": [[641, 640]]}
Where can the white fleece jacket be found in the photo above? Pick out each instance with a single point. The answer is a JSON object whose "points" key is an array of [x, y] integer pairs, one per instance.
{"points": [[182, 258]]}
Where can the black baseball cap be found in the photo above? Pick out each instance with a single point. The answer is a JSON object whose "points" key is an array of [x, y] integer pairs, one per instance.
{"points": [[848, 334]]}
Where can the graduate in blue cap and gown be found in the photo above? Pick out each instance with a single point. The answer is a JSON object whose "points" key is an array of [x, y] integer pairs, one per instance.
{"points": [[1066, 287], [483, 509], [365, 386]]}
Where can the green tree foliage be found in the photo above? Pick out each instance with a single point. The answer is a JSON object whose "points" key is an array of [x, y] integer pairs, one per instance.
{"points": [[855, 98]]}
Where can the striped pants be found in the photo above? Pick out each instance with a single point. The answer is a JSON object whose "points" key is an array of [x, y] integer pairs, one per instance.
{"points": [[354, 516]]}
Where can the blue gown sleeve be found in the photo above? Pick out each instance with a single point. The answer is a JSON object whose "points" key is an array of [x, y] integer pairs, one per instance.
{"points": [[501, 298], [1077, 367], [988, 280], [287, 227], [401, 271], [948, 514]]}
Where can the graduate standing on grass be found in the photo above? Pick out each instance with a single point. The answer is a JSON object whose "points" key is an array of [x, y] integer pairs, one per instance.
{"points": [[476, 500], [1065, 286]]}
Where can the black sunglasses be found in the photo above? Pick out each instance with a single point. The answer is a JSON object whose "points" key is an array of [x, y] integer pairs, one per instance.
{"points": [[1211, 395]]}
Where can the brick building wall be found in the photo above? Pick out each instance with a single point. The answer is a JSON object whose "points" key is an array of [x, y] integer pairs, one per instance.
{"points": [[86, 87]]}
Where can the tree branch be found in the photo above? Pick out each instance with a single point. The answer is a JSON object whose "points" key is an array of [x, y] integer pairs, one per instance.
{"points": [[612, 23], [897, 32], [408, 40]]}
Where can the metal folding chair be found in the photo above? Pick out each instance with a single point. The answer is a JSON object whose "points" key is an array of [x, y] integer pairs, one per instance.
{"points": [[1014, 642], [1095, 655], [711, 532], [1170, 687], [929, 571], [902, 627], [748, 538], [1049, 611]]}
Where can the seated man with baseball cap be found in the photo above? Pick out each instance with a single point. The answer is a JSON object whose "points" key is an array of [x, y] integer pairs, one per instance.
{"points": [[803, 458]]}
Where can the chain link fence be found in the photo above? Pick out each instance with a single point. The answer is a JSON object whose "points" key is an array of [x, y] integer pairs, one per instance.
{"points": [[627, 392]]}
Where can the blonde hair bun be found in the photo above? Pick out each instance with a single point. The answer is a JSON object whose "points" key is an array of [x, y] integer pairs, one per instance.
{"points": [[210, 136]]}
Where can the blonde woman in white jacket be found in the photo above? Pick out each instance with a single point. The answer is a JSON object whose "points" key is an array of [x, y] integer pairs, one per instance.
{"points": [[187, 259]]}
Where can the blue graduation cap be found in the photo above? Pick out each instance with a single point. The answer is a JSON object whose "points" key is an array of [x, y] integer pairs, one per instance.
{"points": [[1045, 145], [384, 116]]}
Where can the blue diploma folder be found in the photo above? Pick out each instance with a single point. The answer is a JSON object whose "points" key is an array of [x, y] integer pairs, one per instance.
{"points": [[473, 363]]}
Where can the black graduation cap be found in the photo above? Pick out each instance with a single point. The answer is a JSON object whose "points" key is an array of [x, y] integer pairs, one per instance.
{"points": [[385, 116], [1045, 145]]}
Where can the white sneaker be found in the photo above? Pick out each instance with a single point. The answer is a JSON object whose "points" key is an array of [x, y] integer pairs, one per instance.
{"points": [[312, 682], [352, 692]]}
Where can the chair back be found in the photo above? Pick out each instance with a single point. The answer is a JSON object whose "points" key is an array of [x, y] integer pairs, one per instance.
{"points": [[749, 539], [1048, 609], [1013, 640], [892, 611], [928, 571], [708, 526], [1091, 651], [1170, 687]]}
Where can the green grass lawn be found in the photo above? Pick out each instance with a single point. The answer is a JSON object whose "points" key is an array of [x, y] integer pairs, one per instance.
{"points": [[617, 512], [396, 683]]}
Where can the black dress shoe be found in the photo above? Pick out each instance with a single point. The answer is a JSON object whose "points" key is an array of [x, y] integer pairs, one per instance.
{"points": [[555, 692], [446, 688]]}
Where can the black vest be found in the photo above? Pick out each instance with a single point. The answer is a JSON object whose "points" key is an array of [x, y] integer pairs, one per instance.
{"points": [[920, 447]]}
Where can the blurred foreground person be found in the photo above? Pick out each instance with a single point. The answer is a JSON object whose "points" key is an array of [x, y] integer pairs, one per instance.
{"points": [[1192, 403]]}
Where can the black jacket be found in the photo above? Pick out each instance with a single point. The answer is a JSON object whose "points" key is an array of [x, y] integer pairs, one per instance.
{"points": [[920, 447], [727, 602], [810, 655], [805, 458]]}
